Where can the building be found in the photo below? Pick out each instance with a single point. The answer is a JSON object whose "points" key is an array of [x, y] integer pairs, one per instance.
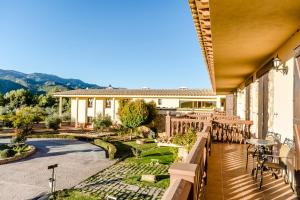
{"points": [[252, 53], [88, 103]]}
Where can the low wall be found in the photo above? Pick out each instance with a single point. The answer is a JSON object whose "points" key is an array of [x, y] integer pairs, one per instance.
{"points": [[18, 157]]}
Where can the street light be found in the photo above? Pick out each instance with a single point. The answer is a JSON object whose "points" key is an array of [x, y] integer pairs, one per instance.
{"points": [[52, 179]]}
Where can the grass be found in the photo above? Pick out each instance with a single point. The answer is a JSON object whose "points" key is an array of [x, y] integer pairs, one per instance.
{"points": [[164, 155], [163, 181], [72, 195]]}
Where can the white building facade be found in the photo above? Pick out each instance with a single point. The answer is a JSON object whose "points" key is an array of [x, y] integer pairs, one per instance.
{"points": [[86, 104]]}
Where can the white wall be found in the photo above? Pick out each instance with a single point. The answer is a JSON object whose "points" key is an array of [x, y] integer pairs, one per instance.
{"points": [[73, 109], [82, 104], [241, 103], [283, 102]]}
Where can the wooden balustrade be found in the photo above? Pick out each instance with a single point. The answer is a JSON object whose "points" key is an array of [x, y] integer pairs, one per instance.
{"points": [[188, 179], [180, 125], [231, 130]]}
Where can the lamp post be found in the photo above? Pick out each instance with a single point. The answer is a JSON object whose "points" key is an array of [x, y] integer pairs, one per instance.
{"points": [[52, 179]]}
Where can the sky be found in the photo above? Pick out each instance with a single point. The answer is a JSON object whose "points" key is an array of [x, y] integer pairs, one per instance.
{"points": [[132, 43]]}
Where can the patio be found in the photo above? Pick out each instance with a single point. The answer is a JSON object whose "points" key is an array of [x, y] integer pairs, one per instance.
{"points": [[228, 178]]}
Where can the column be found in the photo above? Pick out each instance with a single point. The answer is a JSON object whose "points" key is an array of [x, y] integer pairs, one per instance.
{"points": [[60, 107], [94, 104], [168, 125], [76, 116], [113, 109]]}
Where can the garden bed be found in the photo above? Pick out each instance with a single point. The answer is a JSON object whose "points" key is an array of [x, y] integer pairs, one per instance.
{"points": [[18, 156]]}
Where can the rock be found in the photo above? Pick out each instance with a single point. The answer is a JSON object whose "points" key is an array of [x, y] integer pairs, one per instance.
{"points": [[140, 141], [144, 130], [149, 178]]}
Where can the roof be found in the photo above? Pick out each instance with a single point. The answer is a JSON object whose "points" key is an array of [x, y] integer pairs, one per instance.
{"points": [[239, 37], [136, 92]]}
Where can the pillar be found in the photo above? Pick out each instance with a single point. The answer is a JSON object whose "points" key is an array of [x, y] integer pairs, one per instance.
{"points": [[113, 107], [60, 107], [76, 116], [168, 124]]}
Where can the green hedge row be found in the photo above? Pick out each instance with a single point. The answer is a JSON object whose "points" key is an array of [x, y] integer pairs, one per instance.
{"points": [[110, 148]]}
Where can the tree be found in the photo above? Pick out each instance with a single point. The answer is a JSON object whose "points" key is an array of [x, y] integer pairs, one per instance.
{"points": [[151, 106], [101, 122], [2, 100], [47, 101], [53, 122], [18, 98], [133, 114], [23, 121]]}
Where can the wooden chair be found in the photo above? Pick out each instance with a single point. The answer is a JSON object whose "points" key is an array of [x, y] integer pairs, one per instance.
{"points": [[278, 163]]}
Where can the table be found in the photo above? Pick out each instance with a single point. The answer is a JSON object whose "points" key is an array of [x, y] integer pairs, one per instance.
{"points": [[261, 144]]}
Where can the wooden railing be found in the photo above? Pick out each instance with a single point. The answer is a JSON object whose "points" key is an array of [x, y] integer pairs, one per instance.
{"points": [[188, 179], [234, 130], [181, 124]]}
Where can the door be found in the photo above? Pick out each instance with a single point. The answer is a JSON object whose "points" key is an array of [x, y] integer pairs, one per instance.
{"points": [[263, 115]]}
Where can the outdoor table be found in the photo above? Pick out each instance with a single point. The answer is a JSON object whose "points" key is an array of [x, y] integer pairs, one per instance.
{"points": [[261, 145]]}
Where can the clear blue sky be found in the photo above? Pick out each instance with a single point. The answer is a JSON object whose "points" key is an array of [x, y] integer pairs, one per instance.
{"points": [[131, 43]]}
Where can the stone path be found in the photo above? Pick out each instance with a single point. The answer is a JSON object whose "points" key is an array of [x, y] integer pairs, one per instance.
{"points": [[28, 178], [109, 182]]}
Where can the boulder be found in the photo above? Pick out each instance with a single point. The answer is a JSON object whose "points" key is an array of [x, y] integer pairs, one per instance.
{"points": [[148, 178]]}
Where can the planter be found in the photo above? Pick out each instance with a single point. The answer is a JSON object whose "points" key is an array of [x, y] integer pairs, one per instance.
{"points": [[18, 157]]}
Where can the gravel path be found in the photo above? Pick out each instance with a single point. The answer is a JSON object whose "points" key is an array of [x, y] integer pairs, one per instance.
{"points": [[28, 178]]}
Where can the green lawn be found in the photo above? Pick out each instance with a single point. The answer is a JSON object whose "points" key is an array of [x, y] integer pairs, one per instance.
{"points": [[72, 195]]}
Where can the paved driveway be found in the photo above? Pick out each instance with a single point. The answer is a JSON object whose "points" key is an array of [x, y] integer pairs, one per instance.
{"points": [[28, 178]]}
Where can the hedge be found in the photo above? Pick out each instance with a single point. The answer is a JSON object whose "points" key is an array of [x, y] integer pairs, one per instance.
{"points": [[110, 148]]}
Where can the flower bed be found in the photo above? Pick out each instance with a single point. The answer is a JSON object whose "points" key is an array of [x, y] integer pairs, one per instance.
{"points": [[19, 156]]}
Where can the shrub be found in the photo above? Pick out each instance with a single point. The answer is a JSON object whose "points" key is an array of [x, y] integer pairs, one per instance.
{"points": [[66, 117], [101, 122], [18, 139], [136, 152], [53, 122], [23, 121], [21, 148], [110, 148], [187, 140], [6, 153]]}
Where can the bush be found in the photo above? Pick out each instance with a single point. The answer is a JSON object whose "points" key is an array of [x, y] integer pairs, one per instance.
{"points": [[66, 117], [18, 139], [110, 148], [53, 122], [101, 122], [187, 140], [136, 152], [6, 153], [21, 148]]}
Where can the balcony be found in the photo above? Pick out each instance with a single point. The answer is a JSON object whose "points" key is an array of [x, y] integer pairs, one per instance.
{"points": [[217, 169]]}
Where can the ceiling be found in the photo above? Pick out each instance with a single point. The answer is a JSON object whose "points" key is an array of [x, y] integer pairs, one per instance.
{"points": [[245, 34]]}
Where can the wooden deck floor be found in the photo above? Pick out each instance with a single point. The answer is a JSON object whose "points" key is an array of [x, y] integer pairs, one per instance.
{"points": [[228, 178]]}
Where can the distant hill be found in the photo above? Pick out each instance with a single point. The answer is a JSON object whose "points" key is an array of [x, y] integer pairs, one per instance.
{"points": [[39, 82]]}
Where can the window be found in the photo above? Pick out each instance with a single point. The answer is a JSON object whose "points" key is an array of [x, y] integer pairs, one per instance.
{"points": [[197, 104], [159, 102], [107, 103], [90, 102], [90, 120]]}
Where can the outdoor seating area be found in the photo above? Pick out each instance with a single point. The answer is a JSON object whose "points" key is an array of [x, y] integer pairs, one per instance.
{"points": [[227, 154]]}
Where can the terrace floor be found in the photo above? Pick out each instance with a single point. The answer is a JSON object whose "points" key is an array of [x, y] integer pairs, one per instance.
{"points": [[228, 178]]}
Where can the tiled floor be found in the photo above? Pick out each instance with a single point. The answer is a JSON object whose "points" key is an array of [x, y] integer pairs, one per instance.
{"points": [[228, 178]]}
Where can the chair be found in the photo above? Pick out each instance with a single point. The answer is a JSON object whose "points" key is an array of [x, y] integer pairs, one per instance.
{"points": [[275, 163], [251, 151]]}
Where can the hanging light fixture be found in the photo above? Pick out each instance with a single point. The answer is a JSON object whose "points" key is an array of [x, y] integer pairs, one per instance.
{"points": [[279, 66]]}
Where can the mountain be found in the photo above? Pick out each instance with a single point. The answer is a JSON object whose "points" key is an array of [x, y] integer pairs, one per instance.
{"points": [[39, 82]]}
